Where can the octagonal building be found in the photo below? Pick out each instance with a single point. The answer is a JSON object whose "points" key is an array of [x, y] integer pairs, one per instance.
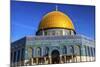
{"points": [[56, 41]]}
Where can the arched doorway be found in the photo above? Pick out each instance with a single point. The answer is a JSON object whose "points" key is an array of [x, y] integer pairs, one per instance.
{"points": [[55, 57]]}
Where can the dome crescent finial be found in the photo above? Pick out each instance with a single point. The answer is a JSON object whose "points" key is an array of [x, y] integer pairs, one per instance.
{"points": [[56, 8]]}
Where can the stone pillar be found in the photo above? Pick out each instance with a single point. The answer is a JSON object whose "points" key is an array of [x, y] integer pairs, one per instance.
{"points": [[16, 58], [50, 60], [20, 57], [31, 61], [65, 58], [72, 58], [36, 60], [61, 59], [12, 57], [78, 58], [44, 60], [85, 58]]}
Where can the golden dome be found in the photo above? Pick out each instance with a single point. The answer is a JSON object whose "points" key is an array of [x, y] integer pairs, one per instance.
{"points": [[56, 19]]}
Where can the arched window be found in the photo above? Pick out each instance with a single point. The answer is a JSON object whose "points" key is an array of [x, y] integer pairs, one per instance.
{"points": [[46, 51], [14, 60], [46, 33], [71, 49], [84, 50], [88, 50], [67, 32], [22, 54], [92, 51], [78, 49], [18, 55], [53, 32], [39, 51], [26, 53], [64, 50], [11, 56], [72, 32], [32, 52]]}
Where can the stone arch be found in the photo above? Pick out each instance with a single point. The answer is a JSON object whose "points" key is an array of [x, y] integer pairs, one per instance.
{"points": [[55, 54], [78, 49], [64, 50], [70, 54]]}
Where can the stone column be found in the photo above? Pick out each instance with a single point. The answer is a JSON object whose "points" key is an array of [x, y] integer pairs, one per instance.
{"points": [[72, 59], [50, 60], [16, 58], [61, 59], [75, 59], [20, 57], [31, 61], [12, 56], [65, 58], [36, 60], [44, 60]]}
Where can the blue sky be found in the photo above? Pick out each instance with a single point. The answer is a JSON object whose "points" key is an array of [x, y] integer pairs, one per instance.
{"points": [[26, 16]]}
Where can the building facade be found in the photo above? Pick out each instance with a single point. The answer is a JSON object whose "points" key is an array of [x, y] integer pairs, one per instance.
{"points": [[56, 41]]}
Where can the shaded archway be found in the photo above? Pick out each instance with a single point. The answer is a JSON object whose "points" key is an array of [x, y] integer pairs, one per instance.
{"points": [[55, 57]]}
